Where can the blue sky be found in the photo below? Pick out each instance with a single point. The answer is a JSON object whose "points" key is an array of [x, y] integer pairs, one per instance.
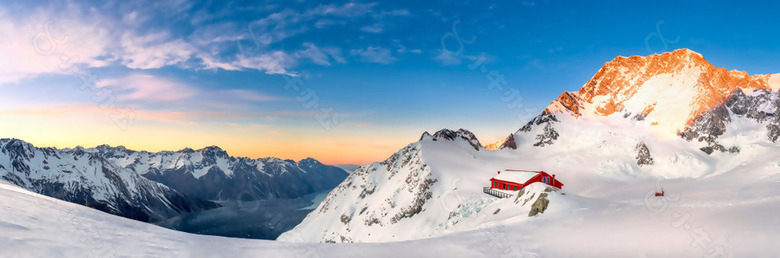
{"points": [[214, 72]]}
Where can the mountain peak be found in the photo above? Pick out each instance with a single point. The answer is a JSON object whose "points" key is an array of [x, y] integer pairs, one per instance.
{"points": [[450, 135], [214, 150], [310, 161], [17, 147], [670, 89], [108, 148]]}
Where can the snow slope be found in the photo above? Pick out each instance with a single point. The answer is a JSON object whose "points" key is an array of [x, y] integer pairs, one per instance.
{"points": [[616, 222], [433, 188]]}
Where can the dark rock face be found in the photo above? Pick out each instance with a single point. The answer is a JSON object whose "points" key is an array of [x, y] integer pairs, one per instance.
{"points": [[709, 126], [762, 106], [510, 143], [450, 135], [643, 157], [773, 132], [548, 137], [544, 118], [540, 205], [717, 147]]}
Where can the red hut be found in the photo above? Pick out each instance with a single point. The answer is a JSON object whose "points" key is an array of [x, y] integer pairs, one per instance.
{"points": [[514, 180]]}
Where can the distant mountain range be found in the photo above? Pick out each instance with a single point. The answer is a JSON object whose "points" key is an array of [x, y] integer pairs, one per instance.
{"points": [[152, 187]]}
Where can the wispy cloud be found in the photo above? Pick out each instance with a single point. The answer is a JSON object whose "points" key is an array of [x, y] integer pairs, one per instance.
{"points": [[447, 58], [376, 28], [127, 37], [314, 53], [149, 88], [249, 95], [153, 50], [396, 12], [345, 10], [374, 55], [271, 63], [335, 53], [26, 58]]}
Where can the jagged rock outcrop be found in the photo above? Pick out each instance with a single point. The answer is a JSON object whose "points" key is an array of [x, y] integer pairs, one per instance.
{"points": [[540, 202], [761, 106], [450, 135], [643, 157], [540, 205], [545, 118], [547, 137], [509, 143], [773, 132]]}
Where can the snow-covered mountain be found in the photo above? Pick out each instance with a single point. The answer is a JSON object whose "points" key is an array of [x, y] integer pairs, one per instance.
{"points": [[424, 190], [211, 174], [87, 178], [673, 94], [669, 91], [154, 186], [670, 116]]}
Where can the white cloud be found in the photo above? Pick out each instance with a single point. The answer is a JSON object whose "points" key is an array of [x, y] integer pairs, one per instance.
{"points": [[210, 62], [447, 58], [278, 26], [91, 39], [102, 39], [314, 53], [271, 63], [345, 10], [376, 28], [320, 56], [153, 51], [374, 55], [335, 53], [401, 48], [131, 18], [148, 88], [144, 91], [27, 49], [397, 12], [248, 95]]}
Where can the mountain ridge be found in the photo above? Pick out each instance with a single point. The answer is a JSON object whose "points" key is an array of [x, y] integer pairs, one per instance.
{"points": [[152, 186], [621, 80]]}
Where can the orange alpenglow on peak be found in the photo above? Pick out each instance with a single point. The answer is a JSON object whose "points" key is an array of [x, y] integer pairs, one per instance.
{"points": [[496, 145], [669, 90]]}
